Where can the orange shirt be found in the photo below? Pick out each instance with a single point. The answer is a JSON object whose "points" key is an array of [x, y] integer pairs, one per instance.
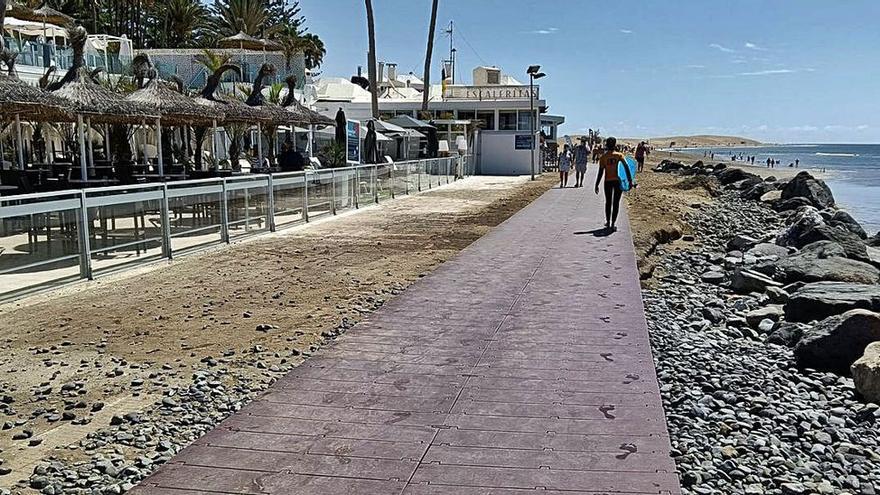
{"points": [[609, 162]]}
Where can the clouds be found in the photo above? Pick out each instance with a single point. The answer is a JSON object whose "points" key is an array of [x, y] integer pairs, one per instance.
{"points": [[626, 31], [769, 72], [721, 48], [752, 46], [545, 31]]}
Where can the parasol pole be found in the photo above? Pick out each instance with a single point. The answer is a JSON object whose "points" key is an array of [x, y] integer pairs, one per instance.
{"points": [[214, 146], [159, 145], [89, 142], [20, 139], [259, 145], [311, 140], [144, 144], [83, 173]]}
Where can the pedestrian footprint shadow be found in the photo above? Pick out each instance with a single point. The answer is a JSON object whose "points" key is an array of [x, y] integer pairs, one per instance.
{"points": [[602, 232]]}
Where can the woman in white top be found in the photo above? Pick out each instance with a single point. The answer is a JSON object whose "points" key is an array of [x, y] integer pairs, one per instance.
{"points": [[564, 166]]}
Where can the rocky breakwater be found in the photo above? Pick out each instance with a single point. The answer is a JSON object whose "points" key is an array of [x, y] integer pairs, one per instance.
{"points": [[767, 340]]}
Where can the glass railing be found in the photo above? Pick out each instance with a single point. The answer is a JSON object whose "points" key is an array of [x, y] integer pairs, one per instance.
{"points": [[47, 239]]}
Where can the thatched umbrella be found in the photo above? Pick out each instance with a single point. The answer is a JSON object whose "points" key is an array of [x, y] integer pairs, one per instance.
{"points": [[242, 41], [275, 114], [173, 107], [303, 114], [90, 100]]}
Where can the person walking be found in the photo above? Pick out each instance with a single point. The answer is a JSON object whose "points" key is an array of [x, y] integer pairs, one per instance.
{"points": [[608, 164], [581, 157], [564, 166], [642, 152]]}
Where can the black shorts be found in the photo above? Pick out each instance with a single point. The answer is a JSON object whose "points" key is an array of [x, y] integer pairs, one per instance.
{"points": [[640, 161]]}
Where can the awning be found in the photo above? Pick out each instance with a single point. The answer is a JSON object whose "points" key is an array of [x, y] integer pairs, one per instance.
{"points": [[408, 122]]}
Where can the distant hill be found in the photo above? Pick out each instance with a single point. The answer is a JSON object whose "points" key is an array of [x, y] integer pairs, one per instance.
{"points": [[699, 141]]}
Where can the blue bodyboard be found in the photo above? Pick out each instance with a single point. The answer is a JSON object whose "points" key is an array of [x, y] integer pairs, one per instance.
{"points": [[632, 165]]}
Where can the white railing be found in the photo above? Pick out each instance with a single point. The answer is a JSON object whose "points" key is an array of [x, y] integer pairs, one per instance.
{"points": [[47, 239]]}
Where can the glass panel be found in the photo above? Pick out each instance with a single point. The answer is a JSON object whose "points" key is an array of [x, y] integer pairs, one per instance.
{"points": [[507, 120], [467, 115], [40, 248], [289, 199], [366, 181], [523, 121], [320, 193], [194, 214], [345, 187], [125, 232], [247, 206], [384, 181], [488, 119]]}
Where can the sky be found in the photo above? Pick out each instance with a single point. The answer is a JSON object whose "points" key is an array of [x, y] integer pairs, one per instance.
{"points": [[781, 71]]}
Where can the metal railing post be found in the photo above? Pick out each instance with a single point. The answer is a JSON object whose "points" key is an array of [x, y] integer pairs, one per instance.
{"points": [[85, 250], [166, 223], [419, 173], [391, 179], [224, 213], [375, 180], [305, 196], [332, 191], [406, 178], [357, 188], [270, 204]]}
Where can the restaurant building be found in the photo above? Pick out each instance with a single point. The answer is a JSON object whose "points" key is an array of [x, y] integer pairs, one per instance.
{"points": [[491, 116]]}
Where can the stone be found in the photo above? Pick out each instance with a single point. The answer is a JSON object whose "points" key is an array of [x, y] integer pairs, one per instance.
{"points": [[836, 342], [777, 295], [713, 277], [824, 260], [790, 204], [771, 197], [866, 373], [820, 300], [746, 281], [804, 185], [731, 175], [852, 245], [757, 191], [741, 243], [768, 250], [772, 312], [845, 220], [786, 334]]}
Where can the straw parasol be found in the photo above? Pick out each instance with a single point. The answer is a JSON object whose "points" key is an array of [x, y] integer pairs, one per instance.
{"points": [[301, 111], [242, 41], [273, 114], [86, 97], [172, 106], [43, 14]]}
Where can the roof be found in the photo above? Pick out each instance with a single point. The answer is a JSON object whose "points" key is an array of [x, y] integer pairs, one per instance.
{"points": [[340, 89], [408, 122]]}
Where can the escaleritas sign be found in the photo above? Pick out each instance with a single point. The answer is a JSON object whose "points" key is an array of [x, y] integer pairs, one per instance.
{"points": [[493, 92]]}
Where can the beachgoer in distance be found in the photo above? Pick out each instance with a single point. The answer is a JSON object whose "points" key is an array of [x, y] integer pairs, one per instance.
{"points": [[797, 162], [608, 163], [641, 152], [564, 166], [581, 157]]}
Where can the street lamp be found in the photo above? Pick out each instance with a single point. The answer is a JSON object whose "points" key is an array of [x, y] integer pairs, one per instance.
{"points": [[534, 73]]}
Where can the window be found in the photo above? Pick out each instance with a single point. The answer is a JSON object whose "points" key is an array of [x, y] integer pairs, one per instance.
{"points": [[467, 115], [523, 121], [507, 120], [488, 119], [404, 112]]}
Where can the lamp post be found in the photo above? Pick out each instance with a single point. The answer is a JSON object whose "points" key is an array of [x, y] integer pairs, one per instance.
{"points": [[533, 72]]}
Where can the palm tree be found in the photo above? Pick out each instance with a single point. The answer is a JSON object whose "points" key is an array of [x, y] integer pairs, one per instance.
{"points": [[248, 16], [183, 22], [371, 59], [430, 50], [314, 52]]}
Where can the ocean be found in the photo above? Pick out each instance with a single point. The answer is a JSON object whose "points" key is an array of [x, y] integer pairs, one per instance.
{"points": [[853, 172]]}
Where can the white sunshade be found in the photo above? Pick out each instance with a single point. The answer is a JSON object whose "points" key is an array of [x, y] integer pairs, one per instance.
{"points": [[31, 28]]}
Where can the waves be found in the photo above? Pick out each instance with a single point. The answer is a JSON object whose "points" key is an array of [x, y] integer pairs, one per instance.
{"points": [[838, 154]]}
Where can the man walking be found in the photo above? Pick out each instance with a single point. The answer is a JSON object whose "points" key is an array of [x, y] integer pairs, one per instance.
{"points": [[641, 152]]}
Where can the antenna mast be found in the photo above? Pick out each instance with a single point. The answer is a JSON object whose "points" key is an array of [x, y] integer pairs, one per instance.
{"points": [[449, 32]]}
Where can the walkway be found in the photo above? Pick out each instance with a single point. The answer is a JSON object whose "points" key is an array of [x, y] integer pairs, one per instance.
{"points": [[521, 365]]}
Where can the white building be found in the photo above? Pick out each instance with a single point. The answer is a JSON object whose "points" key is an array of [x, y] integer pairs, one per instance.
{"points": [[492, 113]]}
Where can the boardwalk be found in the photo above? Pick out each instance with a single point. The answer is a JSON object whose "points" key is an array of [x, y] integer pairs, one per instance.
{"points": [[521, 365]]}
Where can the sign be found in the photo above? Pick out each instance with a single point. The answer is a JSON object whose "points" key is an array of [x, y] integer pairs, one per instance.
{"points": [[523, 141], [353, 142], [494, 92]]}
